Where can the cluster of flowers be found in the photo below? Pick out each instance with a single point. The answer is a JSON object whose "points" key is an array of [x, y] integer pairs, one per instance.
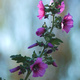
{"points": [[38, 66]]}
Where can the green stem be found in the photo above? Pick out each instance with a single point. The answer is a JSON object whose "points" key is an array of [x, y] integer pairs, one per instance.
{"points": [[52, 25], [42, 52], [28, 73], [50, 33]]}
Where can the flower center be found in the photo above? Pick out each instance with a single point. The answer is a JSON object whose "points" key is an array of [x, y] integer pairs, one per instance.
{"points": [[36, 67]]}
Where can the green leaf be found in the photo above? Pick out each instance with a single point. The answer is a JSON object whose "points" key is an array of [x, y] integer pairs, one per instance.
{"points": [[47, 38], [0, 78], [21, 79], [20, 58], [23, 68], [46, 5], [41, 44], [60, 1], [56, 41], [53, 35], [47, 10], [49, 60], [34, 55]]}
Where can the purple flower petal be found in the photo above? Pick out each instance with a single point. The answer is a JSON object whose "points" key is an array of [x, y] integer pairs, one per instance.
{"points": [[38, 68], [67, 23], [62, 7], [41, 10], [40, 31]]}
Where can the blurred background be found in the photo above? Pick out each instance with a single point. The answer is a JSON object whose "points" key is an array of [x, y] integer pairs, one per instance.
{"points": [[18, 24]]}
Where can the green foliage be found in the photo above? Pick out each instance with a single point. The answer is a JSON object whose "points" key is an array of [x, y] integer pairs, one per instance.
{"points": [[59, 1], [34, 55], [46, 5], [48, 60], [58, 21], [20, 58], [56, 41], [44, 25], [2, 79], [21, 79], [26, 62], [49, 37]]}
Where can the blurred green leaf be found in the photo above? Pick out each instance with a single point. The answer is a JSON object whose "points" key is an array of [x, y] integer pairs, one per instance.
{"points": [[20, 58], [34, 55], [56, 41]]}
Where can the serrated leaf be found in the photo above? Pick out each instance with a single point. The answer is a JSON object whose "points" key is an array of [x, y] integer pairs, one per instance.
{"points": [[56, 41], [20, 58]]}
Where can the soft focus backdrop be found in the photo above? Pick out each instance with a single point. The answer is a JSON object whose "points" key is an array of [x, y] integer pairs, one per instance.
{"points": [[18, 24]]}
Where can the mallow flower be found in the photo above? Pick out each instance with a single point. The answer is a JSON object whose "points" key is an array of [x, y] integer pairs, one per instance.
{"points": [[41, 10], [38, 68], [67, 23], [40, 31], [62, 6]]}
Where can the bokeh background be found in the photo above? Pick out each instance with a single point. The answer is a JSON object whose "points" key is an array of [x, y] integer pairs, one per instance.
{"points": [[18, 24]]}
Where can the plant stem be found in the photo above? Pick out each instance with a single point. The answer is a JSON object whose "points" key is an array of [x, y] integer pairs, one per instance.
{"points": [[52, 25], [42, 52], [28, 73]]}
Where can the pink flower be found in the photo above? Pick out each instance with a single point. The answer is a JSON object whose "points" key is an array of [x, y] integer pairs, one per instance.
{"points": [[41, 10], [62, 6], [67, 23], [38, 68], [40, 31]]}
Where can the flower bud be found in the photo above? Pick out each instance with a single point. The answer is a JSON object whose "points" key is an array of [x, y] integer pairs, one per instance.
{"points": [[49, 51], [15, 69], [50, 45], [19, 73], [54, 64], [40, 31], [33, 45]]}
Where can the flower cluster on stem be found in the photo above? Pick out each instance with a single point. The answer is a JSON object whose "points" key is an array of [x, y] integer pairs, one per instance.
{"points": [[38, 63]]}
